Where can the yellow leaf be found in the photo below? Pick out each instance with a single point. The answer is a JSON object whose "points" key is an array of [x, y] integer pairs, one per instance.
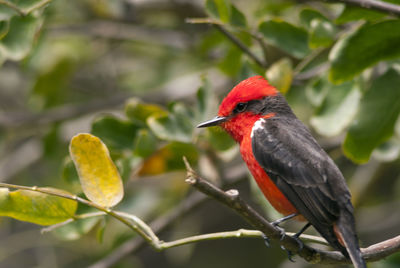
{"points": [[36, 207], [99, 177]]}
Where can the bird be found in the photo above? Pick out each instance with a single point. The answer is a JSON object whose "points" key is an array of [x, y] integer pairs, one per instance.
{"points": [[294, 173]]}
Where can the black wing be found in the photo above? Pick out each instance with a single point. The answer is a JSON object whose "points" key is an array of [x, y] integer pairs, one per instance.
{"points": [[304, 173]]}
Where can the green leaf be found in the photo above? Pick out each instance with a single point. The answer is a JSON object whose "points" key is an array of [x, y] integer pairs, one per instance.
{"points": [[24, 6], [51, 86], [307, 15], [285, 36], [219, 139], [139, 111], [145, 143], [322, 33], [19, 39], [388, 151], [220, 9], [4, 28], [36, 207], [280, 75], [70, 175], [353, 13], [363, 48], [176, 126], [376, 117], [316, 91], [78, 228], [237, 17], [99, 177], [232, 61], [116, 133], [338, 109]]}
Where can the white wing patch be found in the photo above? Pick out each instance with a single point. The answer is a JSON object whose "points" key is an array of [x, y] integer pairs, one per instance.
{"points": [[257, 125]]}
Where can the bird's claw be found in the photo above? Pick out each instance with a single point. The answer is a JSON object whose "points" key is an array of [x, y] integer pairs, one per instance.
{"points": [[289, 254], [281, 232], [299, 242], [266, 240]]}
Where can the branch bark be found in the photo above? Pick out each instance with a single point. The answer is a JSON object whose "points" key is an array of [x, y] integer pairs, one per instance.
{"points": [[373, 4]]}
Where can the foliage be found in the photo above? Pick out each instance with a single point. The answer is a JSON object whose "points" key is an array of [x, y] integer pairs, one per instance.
{"points": [[140, 76]]}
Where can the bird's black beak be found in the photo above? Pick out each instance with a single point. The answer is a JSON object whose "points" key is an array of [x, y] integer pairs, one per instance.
{"points": [[213, 122]]}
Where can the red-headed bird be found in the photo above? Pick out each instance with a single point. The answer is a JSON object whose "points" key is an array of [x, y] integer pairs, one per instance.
{"points": [[294, 173]]}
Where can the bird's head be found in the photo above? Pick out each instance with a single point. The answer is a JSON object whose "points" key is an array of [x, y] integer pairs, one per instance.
{"points": [[244, 105]]}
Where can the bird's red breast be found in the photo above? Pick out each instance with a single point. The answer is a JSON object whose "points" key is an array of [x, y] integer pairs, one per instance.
{"points": [[240, 128]]}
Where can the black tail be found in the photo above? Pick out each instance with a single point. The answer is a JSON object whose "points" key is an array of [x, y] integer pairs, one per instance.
{"points": [[345, 229]]}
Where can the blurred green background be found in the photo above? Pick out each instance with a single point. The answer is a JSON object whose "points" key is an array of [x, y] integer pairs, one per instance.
{"points": [[141, 74]]}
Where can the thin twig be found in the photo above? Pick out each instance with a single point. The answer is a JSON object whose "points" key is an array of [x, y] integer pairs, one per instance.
{"points": [[241, 233], [76, 217], [392, 9], [221, 27]]}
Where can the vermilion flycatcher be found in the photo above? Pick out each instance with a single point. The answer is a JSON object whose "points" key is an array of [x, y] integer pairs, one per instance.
{"points": [[295, 174]]}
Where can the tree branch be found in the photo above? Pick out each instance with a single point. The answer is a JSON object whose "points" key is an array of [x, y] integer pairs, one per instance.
{"points": [[220, 27], [373, 4], [231, 199]]}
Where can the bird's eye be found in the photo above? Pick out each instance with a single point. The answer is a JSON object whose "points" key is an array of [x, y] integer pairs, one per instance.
{"points": [[240, 107]]}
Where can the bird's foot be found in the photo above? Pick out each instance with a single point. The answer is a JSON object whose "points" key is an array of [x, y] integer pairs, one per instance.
{"points": [[266, 240], [281, 231], [289, 254], [298, 240]]}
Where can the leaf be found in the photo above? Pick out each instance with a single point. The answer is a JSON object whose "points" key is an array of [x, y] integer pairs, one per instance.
{"points": [[338, 109], [322, 33], [388, 151], [226, 12], [36, 207], [280, 75], [220, 9], [237, 17], [232, 61], [307, 15], [25, 6], [316, 91], [115, 132], [207, 104], [176, 126], [376, 117], [52, 86], [219, 139], [76, 229], [363, 48], [70, 175], [145, 143], [285, 36], [353, 13], [99, 177], [136, 110], [169, 158], [19, 39], [4, 28]]}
